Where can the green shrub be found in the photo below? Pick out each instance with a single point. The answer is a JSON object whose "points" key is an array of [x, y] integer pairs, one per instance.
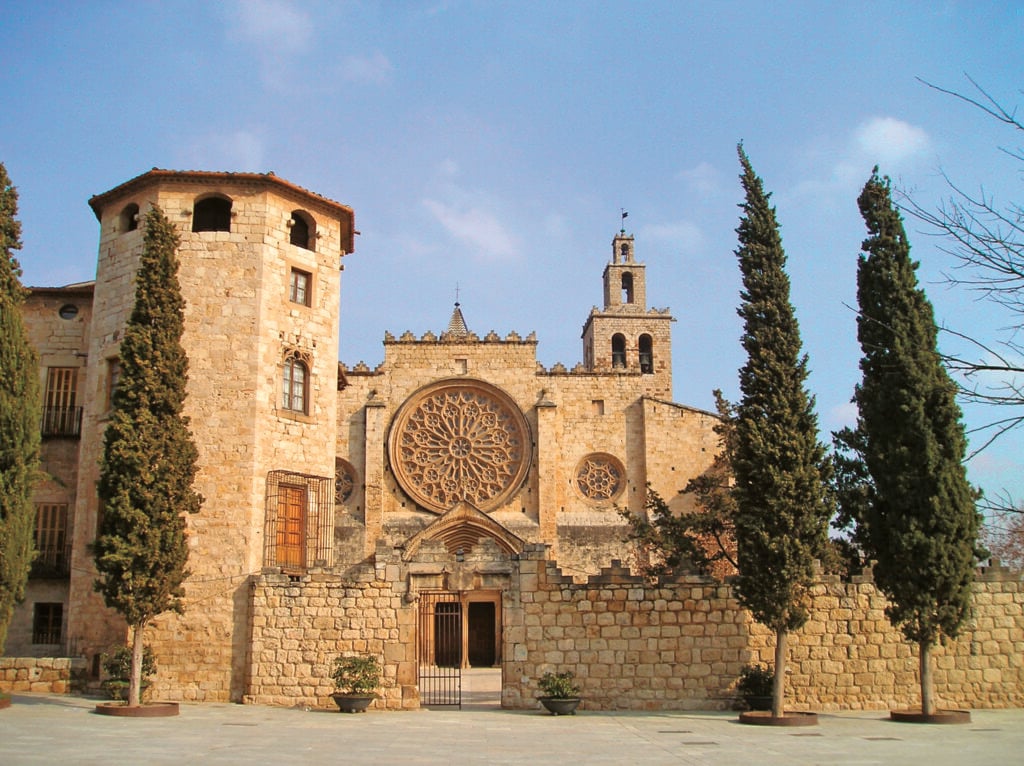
{"points": [[558, 685], [356, 675], [755, 681]]}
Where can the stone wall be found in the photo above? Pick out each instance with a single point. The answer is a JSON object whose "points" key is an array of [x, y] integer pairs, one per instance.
{"points": [[38, 674], [300, 624], [680, 644]]}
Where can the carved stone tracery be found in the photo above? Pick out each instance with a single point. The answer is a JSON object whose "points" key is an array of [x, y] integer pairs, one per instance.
{"points": [[460, 440], [600, 477]]}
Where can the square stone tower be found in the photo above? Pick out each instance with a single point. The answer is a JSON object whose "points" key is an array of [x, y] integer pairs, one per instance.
{"points": [[625, 336]]}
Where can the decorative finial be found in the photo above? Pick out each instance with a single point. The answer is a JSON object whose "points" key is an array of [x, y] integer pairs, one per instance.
{"points": [[456, 293], [625, 215]]}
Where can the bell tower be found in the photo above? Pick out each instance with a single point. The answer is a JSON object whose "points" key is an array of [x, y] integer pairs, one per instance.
{"points": [[625, 336]]}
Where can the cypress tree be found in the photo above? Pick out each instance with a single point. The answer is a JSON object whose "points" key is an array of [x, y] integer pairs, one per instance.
{"points": [[921, 523], [781, 469], [19, 417], [148, 464]]}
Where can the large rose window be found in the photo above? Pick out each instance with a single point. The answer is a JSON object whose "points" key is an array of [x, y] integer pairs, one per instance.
{"points": [[460, 440]]}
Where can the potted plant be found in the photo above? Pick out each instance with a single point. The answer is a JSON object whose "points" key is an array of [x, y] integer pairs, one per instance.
{"points": [[356, 679], [755, 686], [559, 693], [117, 671]]}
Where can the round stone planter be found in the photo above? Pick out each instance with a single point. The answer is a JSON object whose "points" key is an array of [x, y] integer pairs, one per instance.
{"points": [[353, 703], [146, 710], [560, 705], [939, 716], [789, 718]]}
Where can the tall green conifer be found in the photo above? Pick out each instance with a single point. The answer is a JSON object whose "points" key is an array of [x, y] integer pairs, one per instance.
{"points": [[781, 469], [148, 465], [19, 417], [919, 521]]}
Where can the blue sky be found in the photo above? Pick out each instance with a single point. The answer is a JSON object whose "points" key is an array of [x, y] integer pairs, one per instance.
{"points": [[492, 145]]}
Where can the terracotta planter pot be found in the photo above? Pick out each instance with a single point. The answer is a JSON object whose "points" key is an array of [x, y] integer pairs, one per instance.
{"points": [[560, 705]]}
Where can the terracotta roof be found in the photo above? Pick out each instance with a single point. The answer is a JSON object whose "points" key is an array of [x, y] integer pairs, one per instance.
{"points": [[98, 201]]}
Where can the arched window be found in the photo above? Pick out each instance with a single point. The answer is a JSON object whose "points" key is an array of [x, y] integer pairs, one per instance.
{"points": [[627, 287], [295, 384], [618, 350], [624, 251], [646, 354], [129, 218], [212, 214], [303, 230]]}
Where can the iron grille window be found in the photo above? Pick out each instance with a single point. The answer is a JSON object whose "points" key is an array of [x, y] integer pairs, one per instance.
{"points": [[60, 415], [46, 623], [299, 528], [53, 553]]}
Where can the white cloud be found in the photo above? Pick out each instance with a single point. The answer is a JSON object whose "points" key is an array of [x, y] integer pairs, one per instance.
{"points": [[681, 235], [890, 142], [842, 415], [474, 226], [703, 179], [374, 69], [273, 32], [839, 171], [274, 23], [242, 150]]}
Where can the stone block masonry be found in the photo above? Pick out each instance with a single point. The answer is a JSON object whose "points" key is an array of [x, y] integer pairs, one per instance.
{"points": [[680, 644], [51, 675]]}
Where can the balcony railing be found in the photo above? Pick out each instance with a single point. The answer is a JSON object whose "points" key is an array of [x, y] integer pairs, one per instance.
{"points": [[62, 421], [52, 564]]}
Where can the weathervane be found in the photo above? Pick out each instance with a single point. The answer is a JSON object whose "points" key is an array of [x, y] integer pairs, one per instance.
{"points": [[625, 215]]}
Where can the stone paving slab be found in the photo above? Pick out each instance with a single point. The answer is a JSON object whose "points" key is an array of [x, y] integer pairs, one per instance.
{"points": [[51, 729]]}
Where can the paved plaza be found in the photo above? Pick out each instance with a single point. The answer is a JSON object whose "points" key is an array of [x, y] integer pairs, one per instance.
{"points": [[52, 729]]}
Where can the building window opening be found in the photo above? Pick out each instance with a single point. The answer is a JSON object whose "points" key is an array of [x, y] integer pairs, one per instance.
{"points": [[61, 416], [299, 287], [295, 385], [627, 287], [53, 554], [212, 214], [302, 230], [646, 354], [624, 251], [129, 218], [299, 531], [618, 351], [46, 623]]}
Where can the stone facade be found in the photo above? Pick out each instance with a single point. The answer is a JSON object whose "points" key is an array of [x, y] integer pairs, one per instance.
{"points": [[456, 505], [308, 467]]}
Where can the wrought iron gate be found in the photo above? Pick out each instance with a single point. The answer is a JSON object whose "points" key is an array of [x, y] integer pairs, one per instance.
{"points": [[439, 654]]}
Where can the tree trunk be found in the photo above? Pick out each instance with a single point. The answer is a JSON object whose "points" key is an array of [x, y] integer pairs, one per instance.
{"points": [[135, 687], [779, 683], [927, 685]]}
